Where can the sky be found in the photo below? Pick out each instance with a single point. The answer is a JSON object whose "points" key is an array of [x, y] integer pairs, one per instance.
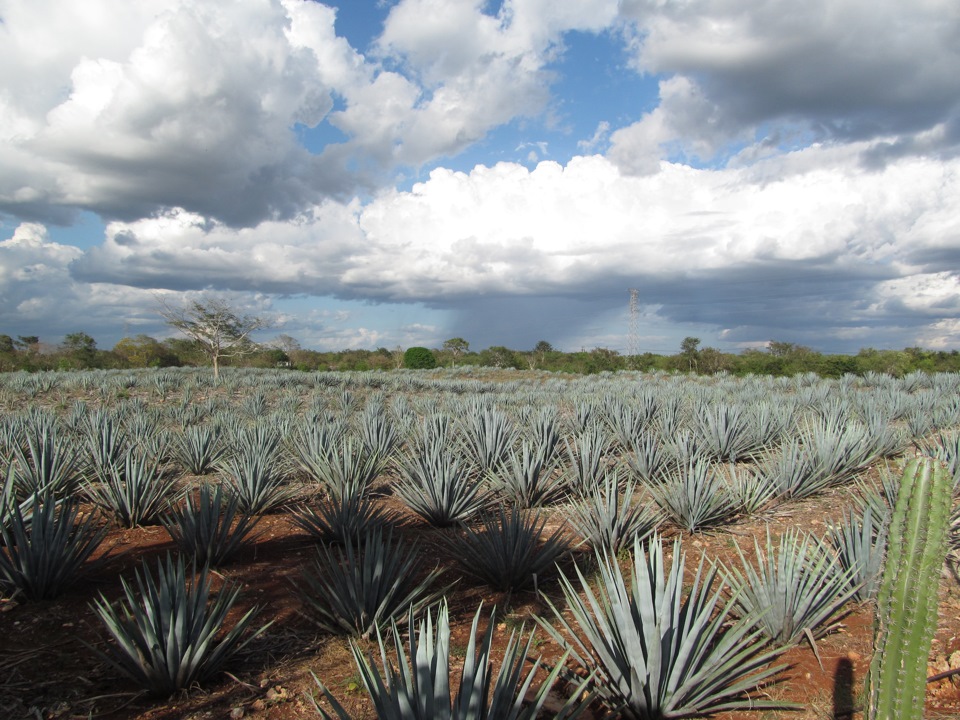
{"points": [[377, 173]]}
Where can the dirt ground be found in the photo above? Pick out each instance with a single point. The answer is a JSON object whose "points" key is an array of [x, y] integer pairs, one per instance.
{"points": [[48, 670]]}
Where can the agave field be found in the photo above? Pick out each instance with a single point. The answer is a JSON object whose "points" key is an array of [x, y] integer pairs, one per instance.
{"points": [[460, 543]]}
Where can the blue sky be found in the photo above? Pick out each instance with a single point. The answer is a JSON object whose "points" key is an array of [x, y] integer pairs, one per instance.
{"points": [[381, 174]]}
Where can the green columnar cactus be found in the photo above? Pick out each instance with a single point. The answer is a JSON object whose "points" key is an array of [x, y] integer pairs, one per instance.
{"points": [[907, 603]]}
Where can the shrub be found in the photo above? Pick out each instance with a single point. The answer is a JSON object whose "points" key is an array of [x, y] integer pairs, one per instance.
{"points": [[419, 358]]}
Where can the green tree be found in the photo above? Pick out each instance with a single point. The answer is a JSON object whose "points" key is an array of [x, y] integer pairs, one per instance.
{"points": [[419, 358], [689, 351], [499, 356], [80, 349], [456, 347], [217, 329], [539, 354], [144, 351]]}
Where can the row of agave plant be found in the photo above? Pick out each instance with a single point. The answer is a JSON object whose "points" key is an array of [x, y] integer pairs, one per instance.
{"points": [[599, 462]]}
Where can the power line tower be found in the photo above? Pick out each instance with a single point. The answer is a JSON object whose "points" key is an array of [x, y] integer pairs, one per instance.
{"points": [[633, 341]]}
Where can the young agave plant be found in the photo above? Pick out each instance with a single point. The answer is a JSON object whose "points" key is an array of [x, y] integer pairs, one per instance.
{"points": [[608, 520], [648, 458], [420, 688], [795, 589], [527, 479], [510, 550], [359, 587], [696, 497], [199, 448], [861, 545], [46, 459], [166, 635], [488, 435], [255, 478], [341, 519], [345, 469], [45, 551], [134, 491], [657, 653], [438, 488], [206, 531]]}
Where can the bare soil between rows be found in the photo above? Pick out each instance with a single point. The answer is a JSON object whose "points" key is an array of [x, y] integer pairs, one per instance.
{"points": [[48, 668]]}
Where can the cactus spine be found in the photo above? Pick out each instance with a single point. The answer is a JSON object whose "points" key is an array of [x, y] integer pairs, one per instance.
{"points": [[907, 602]]}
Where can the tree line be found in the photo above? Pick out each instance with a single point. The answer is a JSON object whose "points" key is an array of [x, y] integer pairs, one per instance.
{"points": [[80, 351]]}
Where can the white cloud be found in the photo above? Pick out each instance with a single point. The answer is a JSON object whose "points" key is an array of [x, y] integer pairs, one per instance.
{"points": [[810, 238], [832, 69]]}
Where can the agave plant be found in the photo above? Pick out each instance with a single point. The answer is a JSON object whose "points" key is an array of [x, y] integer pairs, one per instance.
{"points": [[378, 435], [510, 550], [724, 431], [341, 519], [167, 636], [795, 589], [438, 487], [585, 458], [360, 586], [344, 468], [46, 459], [488, 437], [207, 531], [608, 520], [696, 497], [254, 474], [655, 653], [527, 479], [648, 458], [45, 551], [861, 545], [752, 491], [199, 448], [134, 491], [420, 689], [105, 441]]}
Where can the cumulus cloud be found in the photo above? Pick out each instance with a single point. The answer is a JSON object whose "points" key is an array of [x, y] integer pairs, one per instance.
{"points": [[831, 70], [798, 173], [128, 109], [810, 241]]}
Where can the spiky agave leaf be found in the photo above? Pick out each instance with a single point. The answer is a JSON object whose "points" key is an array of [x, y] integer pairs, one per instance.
{"points": [[438, 487], [420, 688], [358, 587], [861, 545], [608, 519], [341, 519], [695, 497], [165, 629], [45, 551], [199, 448], [206, 531], [794, 588], [510, 551], [527, 479], [134, 491], [655, 652]]}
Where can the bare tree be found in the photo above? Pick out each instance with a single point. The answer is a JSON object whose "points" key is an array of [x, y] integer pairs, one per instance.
{"points": [[216, 327]]}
